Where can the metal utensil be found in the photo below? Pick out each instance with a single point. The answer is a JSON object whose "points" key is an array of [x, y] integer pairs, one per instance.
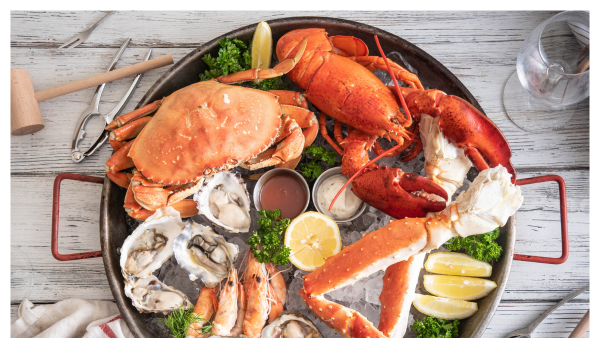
{"points": [[76, 154], [81, 37], [527, 331]]}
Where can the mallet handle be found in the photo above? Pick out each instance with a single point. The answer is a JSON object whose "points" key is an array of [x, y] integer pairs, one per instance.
{"points": [[99, 79]]}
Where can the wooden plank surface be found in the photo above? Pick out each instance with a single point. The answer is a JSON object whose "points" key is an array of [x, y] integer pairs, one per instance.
{"points": [[480, 48]]}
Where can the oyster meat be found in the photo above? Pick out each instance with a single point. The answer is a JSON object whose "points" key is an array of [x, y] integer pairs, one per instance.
{"points": [[204, 254], [291, 325], [151, 295], [224, 200], [150, 244]]}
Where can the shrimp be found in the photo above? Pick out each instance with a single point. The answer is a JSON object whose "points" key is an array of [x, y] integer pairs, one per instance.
{"points": [[252, 267], [204, 309], [227, 310], [238, 329], [257, 310], [277, 281], [276, 306]]}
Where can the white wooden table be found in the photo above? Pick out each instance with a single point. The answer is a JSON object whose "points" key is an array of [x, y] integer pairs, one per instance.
{"points": [[479, 48]]}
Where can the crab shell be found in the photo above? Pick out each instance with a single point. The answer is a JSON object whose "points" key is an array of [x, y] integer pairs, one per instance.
{"points": [[204, 128]]}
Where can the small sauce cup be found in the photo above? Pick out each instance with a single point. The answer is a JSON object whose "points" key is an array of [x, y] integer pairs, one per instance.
{"points": [[264, 179], [315, 192]]}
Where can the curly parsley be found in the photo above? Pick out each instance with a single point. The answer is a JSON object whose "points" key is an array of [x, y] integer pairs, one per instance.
{"points": [[313, 168], [431, 327], [234, 56], [269, 236], [482, 247], [179, 320]]}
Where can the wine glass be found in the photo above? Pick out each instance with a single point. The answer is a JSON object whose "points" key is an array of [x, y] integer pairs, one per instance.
{"points": [[547, 77]]}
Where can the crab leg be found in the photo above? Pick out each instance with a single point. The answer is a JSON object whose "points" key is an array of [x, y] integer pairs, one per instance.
{"points": [[397, 295], [130, 130], [280, 69], [121, 120], [290, 97], [117, 162], [347, 322], [489, 202]]}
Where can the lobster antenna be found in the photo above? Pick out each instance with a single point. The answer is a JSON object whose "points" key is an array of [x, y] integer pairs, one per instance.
{"points": [[406, 111], [360, 171]]}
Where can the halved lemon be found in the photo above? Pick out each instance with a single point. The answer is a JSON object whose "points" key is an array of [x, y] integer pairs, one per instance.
{"points": [[455, 287], [262, 43], [457, 264], [312, 237], [444, 308]]}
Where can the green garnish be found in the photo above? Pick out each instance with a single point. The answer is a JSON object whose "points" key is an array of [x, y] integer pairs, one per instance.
{"points": [[482, 247], [313, 168], [431, 327], [234, 56], [275, 83], [178, 321], [269, 236]]}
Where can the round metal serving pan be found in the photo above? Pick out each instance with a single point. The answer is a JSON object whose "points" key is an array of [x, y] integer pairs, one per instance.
{"points": [[113, 227]]}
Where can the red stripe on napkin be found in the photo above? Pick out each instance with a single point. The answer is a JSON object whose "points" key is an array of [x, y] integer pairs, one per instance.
{"points": [[107, 330]]}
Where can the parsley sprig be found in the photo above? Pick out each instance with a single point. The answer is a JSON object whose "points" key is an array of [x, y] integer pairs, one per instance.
{"points": [[313, 168], [431, 327], [178, 321], [269, 236], [482, 247], [235, 56]]}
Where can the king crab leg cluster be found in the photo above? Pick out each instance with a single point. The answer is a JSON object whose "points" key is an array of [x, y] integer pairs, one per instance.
{"points": [[398, 248]]}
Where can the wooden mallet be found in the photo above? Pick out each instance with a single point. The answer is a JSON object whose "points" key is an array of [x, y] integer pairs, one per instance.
{"points": [[25, 116]]}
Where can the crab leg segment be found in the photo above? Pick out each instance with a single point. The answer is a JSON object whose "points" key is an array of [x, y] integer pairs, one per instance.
{"points": [[291, 98], [121, 120], [130, 130], [397, 295], [117, 162], [377, 250], [347, 322]]}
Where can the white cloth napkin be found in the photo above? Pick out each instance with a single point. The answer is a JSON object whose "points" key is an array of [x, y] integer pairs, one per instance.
{"points": [[71, 318]]}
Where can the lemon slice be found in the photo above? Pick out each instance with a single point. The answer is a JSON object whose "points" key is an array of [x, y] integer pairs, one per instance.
{"points": [[444, 308], [457, 264], [262, 43], [465, 288], [312, 237]]}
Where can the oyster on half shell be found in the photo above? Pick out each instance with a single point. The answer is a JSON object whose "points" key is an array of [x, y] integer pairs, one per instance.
{"points": [[224, 200], [291, 325], [151, 295], [204, 254], [150, 244]]}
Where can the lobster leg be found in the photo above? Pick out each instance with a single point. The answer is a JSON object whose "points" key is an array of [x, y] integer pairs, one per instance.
{"points": [[323, 129], [121, 120], [374, 63], [280, 69]]}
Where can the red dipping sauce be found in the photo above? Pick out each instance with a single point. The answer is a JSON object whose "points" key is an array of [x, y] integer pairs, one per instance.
{"points": [[283, 192]]}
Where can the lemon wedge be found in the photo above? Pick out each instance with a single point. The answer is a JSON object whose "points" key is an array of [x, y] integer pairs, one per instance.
{"points": [[262, 43], [455, 287], [457, 264], [444, 308], [312, 237]]}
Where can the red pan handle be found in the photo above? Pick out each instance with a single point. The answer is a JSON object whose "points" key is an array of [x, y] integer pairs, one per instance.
{"points": [[55, 205], [563, 220]]}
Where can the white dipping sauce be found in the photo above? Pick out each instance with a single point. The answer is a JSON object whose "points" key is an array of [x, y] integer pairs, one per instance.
{"points": [[345, 206]]}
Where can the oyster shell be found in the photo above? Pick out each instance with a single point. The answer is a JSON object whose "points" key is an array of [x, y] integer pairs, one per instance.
{"points": [[151, 244], [291, 325], [151, 295], [224, 200], [204, 254]]}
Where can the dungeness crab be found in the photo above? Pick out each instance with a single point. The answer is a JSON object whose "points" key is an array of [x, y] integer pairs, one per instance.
{"points": [[202, 129]]}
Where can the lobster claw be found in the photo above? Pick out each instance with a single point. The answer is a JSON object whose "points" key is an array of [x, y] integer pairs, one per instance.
{"points": [[399, 194]]}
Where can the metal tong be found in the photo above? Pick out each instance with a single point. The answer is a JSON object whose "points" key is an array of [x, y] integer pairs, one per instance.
{"points": [[76, 154], [527, 331]]}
